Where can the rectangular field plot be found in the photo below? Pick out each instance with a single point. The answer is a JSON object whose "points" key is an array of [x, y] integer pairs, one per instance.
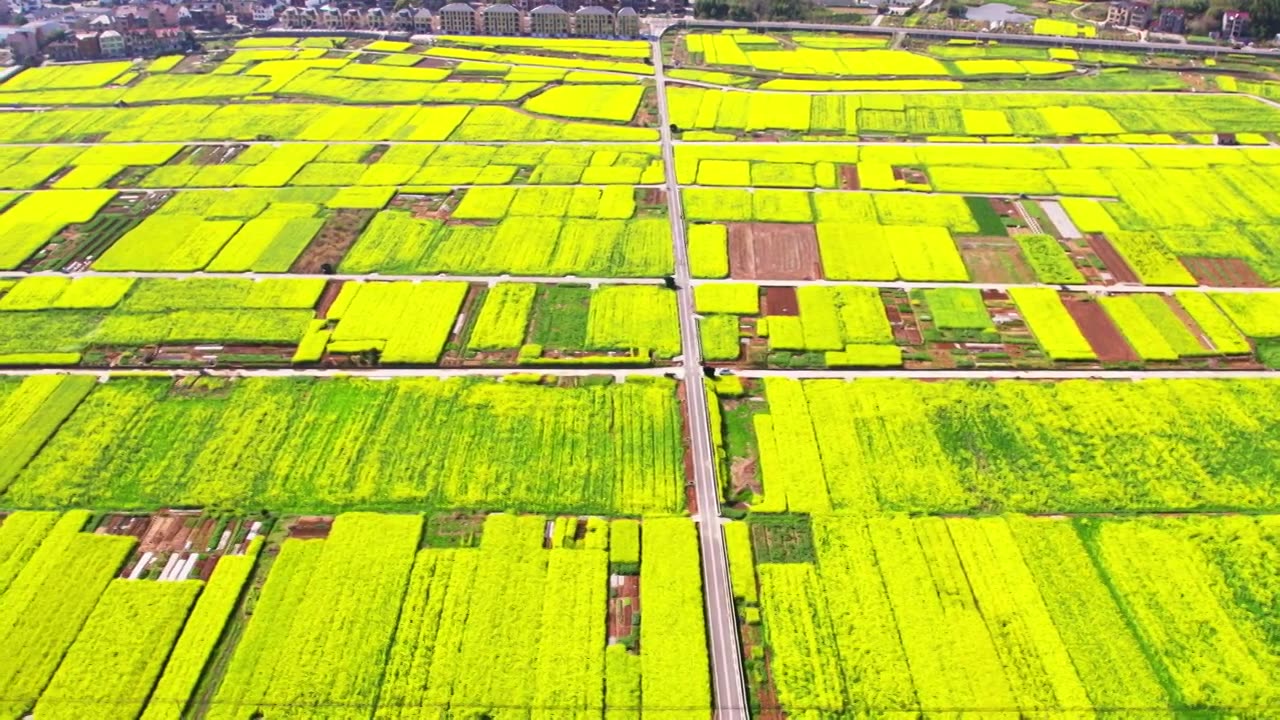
{"points": [[374, 74], [309, 121], [518, 622], [296, 444], [587, 231], [779, 327], [384, 164], [1028, 115], [1076, 446], [126, 322], [1043, 611], [1096, 214], [784, 327], [381, 613]]}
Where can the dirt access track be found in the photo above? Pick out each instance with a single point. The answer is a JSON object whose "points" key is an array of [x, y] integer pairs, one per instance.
{"points": [[773, 251]]}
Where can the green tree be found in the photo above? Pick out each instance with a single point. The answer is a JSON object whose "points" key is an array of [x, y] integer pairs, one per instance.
{"points": [[1264, 16]]}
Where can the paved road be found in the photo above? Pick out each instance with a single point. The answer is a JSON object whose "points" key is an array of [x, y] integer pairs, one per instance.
{"points": [[980, 374], [888, 140], [1092, 289], [1003, 38], [373, 373], [597, 281], [487, 279], [728, 683]]}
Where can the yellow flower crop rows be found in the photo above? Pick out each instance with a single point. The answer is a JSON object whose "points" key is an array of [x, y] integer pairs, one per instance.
{"points": [[708, 250], [617, 103], [40, 215], [634, 463], [1043, 610], [1138, 328], [407, 322], [75, 568], [1051, 324], [1033, 115], [732, 298], [131, 618]]}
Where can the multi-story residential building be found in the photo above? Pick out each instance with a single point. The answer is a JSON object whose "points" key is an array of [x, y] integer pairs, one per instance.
{"points": [[500, 19], [88, 46], [1172, 20], [410, 20], [549, 21], [64, 50], [111, 43], [330, 18], [593, 21], [1128, 13], [153, 42], [264, 13], [458, 19], [422, 21], [294, 17], [628, 23], [1235, 24]]}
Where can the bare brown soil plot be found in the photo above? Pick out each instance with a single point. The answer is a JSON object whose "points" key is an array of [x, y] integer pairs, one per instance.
{"points": [[1119, 269], [905, 329], [134, 525], [1104, 337], [849, 179], [780, 301], [307, 528], [995, 260], [339, 233], [166, 533], [1223, 272], [773, 251], [624, 602], [331, 291]]}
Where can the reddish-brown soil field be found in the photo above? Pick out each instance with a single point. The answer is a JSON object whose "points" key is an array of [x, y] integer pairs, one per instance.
{"points": [[333, 241], [780, 301], [773, 251], [331, 290], [626, 587], [1223, 272], [1119, 269], [849, 178], [905, 330], [165, 533], [307, 528], [134, 525], [995, 260], [1103, 336]]}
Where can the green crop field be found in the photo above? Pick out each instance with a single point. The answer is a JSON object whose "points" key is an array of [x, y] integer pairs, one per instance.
{"points": [[354, 377], [210, 427]]}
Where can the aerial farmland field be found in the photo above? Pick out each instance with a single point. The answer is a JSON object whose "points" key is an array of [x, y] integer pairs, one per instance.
{"points": [[726, 374]]}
